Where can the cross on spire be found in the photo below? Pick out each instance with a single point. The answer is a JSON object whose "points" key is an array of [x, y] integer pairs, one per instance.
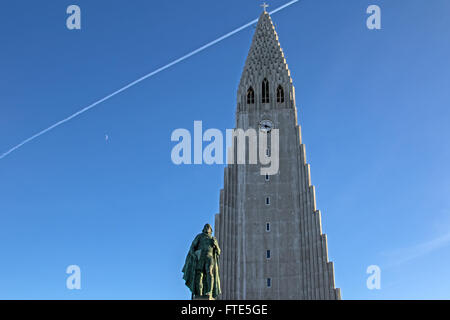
{"points": [[264, 5]]}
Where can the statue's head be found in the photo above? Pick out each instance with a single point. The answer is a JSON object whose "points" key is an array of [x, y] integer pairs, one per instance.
{"points": [[207, 229]]}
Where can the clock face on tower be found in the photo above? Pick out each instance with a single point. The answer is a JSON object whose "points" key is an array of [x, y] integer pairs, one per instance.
{"points": [[265, 125]]}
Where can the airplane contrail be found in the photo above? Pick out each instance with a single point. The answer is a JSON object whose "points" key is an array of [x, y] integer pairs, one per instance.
{"points": [[148, 75]]}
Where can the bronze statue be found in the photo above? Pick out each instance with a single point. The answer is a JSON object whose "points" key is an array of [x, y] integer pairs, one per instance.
{"points": [[201, 269]]}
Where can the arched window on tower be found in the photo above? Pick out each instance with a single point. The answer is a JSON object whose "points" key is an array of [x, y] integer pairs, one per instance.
{"points": [[250, 96], [265, 91], [280, 94]]}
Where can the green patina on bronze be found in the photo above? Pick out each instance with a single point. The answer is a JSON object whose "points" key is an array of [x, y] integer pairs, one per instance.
{"points": [[201, 269]]}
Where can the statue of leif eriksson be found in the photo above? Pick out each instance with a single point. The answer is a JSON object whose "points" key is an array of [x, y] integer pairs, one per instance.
{"points": [[201, 269]]}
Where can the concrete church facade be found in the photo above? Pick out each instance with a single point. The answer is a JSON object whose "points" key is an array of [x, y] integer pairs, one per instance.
{"points": [[268, 226]]}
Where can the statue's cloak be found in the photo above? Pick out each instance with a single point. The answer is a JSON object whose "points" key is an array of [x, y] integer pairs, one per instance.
{"points": [[189, 272]]}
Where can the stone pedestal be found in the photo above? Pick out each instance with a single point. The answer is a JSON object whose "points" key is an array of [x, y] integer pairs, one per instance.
{"points": [[203, 298]]}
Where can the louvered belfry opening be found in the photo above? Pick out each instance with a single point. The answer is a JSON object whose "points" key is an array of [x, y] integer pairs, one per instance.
{"points": [[265, 91], [250, 96], [280, 94]]}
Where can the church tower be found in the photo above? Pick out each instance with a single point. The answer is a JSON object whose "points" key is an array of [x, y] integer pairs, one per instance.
{"points": [[268, 227]]}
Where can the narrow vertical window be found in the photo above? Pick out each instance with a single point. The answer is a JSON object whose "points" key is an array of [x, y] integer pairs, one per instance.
{"points": [[280, 94], [265, 91], [267, 200], [250, 96], [267, 177], [268, 254], [267, 226], [269, 282]]}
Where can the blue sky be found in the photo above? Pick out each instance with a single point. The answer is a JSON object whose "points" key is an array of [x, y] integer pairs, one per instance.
{"points": [[374, 111]]}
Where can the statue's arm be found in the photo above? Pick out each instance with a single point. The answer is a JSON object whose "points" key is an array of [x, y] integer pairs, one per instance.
{"points": [[216, 246]]}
